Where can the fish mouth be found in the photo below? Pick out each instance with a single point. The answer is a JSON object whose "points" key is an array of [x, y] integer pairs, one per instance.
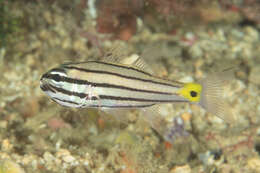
{"points": [[46, 87]]}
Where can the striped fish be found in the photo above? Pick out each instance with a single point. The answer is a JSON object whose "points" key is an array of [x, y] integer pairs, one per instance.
{"points": [[113, 85]]}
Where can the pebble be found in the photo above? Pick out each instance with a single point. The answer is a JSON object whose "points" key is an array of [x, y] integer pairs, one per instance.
{"points": [[181, 169], [186, 116], [251, 34], [254, 75], [45, 35], [30, 60], [3, 123], [6, 145], [68, 159], [186, 79], [8, 166], [62, 153], [195, 51], [79, 45], [48, 157], [254, 163], [48, 17]]}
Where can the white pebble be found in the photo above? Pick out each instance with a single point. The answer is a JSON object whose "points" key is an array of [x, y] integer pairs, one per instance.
{"points": [[68, 158]]}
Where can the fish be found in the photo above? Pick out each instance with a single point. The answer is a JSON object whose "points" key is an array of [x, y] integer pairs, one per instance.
{"points": [[128, 83]]}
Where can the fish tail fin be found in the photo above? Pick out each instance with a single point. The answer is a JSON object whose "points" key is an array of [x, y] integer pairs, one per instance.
{"points": [[211, 98]]}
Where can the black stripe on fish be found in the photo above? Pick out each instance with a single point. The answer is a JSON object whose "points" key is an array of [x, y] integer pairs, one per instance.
{"points": [[102, 105], [121, 106], [107, 97], [120, 75], [111, 64], [105, 85]]}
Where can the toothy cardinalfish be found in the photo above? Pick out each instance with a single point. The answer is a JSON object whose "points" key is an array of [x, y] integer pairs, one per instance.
{"points": [[113, 84]]}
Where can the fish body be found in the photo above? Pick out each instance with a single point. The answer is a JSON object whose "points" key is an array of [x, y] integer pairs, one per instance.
{"points": [[108, 85], [114, 85]]}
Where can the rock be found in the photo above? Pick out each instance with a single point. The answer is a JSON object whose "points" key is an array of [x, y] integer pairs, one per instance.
{"points": [[181, 169], [68, 159], [8, 166], [254, 164], [6, 145], [254, 75]]}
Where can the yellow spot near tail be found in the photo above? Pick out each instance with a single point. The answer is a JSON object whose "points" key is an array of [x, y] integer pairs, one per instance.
{"points": [[191, 91]]}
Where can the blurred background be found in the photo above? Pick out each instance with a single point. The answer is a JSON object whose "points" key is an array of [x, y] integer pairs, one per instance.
{"points": [[182, 40]]}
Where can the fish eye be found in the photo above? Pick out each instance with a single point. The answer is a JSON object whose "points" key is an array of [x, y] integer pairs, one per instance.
{"points": [[56, 77], [193, 93]]}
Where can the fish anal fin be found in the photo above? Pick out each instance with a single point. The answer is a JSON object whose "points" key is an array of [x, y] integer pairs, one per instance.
{"points": [[168, 130], [154, 119]]}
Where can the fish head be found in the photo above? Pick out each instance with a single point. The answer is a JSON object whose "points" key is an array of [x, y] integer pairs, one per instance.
{"points": [[53, 80]]}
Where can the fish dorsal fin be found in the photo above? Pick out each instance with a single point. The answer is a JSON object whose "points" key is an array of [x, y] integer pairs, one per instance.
{"points": [[117, 55], [137, 62], [141, 64]]}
